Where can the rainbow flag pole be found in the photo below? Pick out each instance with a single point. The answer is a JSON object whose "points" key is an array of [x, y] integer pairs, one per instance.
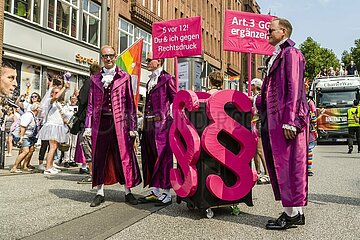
{"points": [[130, 61]]}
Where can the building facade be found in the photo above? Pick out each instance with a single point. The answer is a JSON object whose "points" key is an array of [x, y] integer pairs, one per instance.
{"points": [[46, 37], [131, 19]]}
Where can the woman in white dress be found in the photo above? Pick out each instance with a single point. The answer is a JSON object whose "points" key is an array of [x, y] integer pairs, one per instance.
{"points": [[54, 129]]}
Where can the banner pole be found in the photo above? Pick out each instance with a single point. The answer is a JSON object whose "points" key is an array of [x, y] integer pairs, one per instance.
{"points": [[249, 73], [176, 73]]}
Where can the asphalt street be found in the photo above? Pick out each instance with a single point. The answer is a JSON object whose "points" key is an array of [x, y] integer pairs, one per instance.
{"points": [[34, 206]]}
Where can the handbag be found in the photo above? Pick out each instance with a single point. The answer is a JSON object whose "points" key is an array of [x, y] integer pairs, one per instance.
{"points": [[64, 147]]}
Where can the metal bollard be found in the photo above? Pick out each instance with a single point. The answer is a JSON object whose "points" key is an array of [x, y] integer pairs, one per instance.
{"points": [[2, 149]]}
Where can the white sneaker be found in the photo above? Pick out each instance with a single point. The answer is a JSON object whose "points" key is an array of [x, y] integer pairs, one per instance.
{"points": [[41, 167], [50, 172], [55, 169], [165, 198], [164, 195], [57, 166]]}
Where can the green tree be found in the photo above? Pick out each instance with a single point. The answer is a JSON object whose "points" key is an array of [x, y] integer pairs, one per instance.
{"points": [[352, 55], [346, 57], [355, 53], [317, 58]]}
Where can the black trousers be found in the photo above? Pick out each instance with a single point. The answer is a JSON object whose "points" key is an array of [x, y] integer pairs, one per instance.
{"points": [[44, 147], [353, 132]]}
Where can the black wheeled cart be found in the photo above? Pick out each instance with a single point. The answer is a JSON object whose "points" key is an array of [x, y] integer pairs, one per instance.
{"points": [[203, 199]]}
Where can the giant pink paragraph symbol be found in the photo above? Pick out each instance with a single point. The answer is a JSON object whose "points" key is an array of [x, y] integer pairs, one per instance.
{"points": [[239, 163], [186, 155]]}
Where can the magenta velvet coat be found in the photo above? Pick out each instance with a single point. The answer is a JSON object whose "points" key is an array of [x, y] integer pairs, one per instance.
{"points": [[283, 101], [160, 98], [124, 114]]}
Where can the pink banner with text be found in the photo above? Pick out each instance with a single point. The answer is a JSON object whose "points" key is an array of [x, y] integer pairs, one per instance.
{"points": [[247, 32], [179, 37]]}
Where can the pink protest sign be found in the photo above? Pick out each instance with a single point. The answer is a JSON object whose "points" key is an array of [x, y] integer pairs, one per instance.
{"points": [[247, 32], [177, 38]]}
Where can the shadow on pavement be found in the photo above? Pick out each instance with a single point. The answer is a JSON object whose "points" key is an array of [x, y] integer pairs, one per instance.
{"points": [[113, 196], [335, 199], [66, 177], [221, 214]]}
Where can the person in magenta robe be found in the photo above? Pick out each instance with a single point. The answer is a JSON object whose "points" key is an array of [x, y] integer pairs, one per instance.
{"points": [[111, 123], [157, 156], [284, 114]]}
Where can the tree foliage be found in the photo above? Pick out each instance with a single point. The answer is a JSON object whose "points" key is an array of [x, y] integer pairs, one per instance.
{"points": [[352, 55], [317, 58]]}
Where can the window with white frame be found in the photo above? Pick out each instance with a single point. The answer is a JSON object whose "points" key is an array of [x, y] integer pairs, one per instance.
{"points": [[139, 33], [126, 34], [129, 33], [91, 22], [28, 9], [63, 16]]}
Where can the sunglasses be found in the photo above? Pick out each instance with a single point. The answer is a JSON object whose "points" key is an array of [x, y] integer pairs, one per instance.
{"points": [[106, 56], [34, 96], [273, 30], [148, 60]]}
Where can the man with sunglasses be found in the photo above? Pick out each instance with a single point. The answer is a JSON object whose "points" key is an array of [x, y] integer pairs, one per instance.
{"points": [[111, 124], [284, 114], [156, 154]]}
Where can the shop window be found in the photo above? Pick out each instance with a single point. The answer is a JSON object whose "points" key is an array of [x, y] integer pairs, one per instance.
{"points": [[22, 8], [73, 22], [73, 82], [7, 7], [51, 14], [30, 80], [91, 22], [63, 16], [37, 11], [27, 9], [73, 86]]}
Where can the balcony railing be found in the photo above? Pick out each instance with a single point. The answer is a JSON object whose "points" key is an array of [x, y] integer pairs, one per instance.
{"points": [[143, 14]]}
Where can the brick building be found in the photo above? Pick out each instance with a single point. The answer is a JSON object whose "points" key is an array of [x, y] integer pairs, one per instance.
{"points": [[46, 37]]}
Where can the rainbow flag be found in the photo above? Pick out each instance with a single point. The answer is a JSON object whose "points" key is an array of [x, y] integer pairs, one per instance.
{"points": [[234, 78], [130, 61]]}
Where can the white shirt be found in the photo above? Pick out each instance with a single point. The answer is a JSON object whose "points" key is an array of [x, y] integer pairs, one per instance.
{"points": [[108, 76], [275, 54], [27, 120], [154, 78]]}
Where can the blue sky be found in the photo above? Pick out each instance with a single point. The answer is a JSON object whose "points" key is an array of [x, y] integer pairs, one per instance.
{"points": [[334, 24]]}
